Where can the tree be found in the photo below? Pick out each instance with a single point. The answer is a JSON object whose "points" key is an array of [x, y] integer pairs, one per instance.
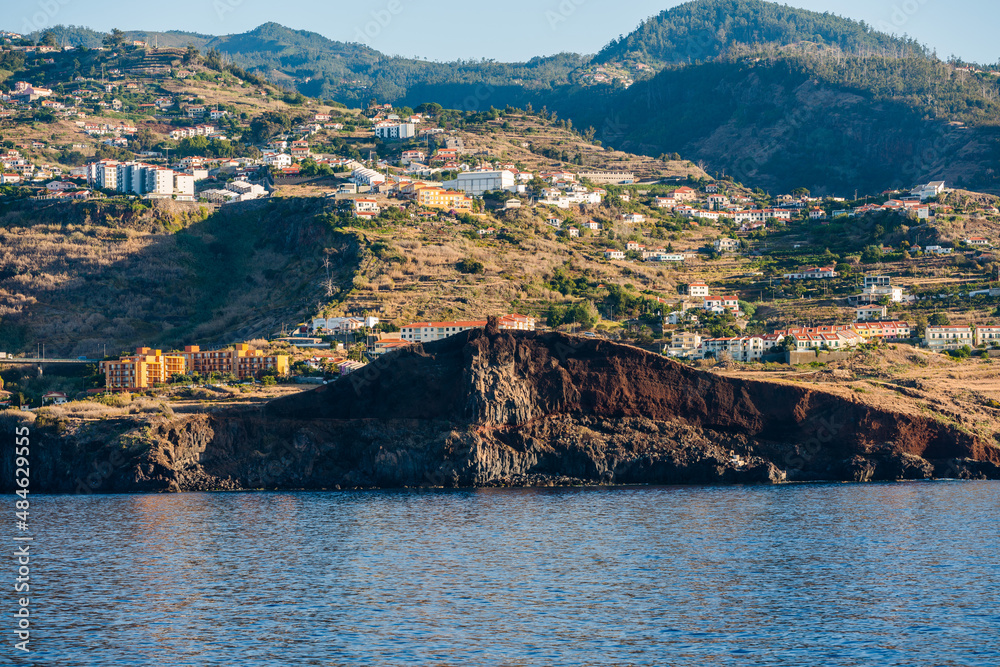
{"points": [[583, 313], [49, 39], [939, 320], [555, 317], [190, 54], [872, 254], [748, 308], [114, 39]]}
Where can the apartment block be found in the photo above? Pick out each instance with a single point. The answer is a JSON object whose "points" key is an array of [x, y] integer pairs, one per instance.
{"points": [[144, 369], [241, 361]]}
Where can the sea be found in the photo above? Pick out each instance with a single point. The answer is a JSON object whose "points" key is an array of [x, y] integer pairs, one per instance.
{"points": [[810, 574]]}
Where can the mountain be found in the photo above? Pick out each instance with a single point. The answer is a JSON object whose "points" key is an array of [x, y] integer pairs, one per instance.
{"points": [[706, 29]]}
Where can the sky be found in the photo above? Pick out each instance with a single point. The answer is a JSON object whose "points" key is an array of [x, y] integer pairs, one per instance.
{"points": [[511, 30]]}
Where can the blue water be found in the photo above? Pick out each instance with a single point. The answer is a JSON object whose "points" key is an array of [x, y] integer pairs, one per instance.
{"points": [[895, 574]]}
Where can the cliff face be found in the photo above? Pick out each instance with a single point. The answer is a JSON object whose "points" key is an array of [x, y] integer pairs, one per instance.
{"points": [[489, 408]]}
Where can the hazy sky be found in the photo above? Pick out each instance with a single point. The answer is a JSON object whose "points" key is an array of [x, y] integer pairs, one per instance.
{"points": [[507, 30]]}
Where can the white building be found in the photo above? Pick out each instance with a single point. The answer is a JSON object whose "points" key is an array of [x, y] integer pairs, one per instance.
{"points": [[477, 182], [364, 176], [726, 245], [278, 160], [699, 289], [424, 332], [808, 274], [872, 312], [932, 189], [948, 338], [395, 131]]}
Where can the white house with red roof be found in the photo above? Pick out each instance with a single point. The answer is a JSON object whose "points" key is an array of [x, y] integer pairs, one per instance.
{"points": [[699, 289], [813, 273]]}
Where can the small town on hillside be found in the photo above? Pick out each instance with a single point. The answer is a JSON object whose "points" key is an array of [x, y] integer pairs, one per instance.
{"points": [[137, 136]]}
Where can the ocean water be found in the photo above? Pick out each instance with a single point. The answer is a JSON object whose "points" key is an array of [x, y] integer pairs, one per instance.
{"points": [[872, 575]]}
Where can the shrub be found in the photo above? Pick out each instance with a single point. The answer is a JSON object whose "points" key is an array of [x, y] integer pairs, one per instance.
{"points": [[471, 266]]}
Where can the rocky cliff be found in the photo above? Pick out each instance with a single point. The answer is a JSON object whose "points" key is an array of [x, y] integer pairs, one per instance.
{"points": [[489, 408]]}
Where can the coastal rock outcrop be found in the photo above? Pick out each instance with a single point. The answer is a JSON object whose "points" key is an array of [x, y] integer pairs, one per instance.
{"points": [[499, 408]]}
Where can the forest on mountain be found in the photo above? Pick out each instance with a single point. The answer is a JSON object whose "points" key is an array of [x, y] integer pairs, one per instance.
{"points": [[706, 29]]}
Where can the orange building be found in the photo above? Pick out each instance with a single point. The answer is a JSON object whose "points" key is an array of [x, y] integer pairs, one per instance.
{"points": [[446, 199], [241, 361], [142, 370]]}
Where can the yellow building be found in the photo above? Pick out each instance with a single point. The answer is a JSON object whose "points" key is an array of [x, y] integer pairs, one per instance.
{"points": [[142, 370], [241, 361], [445, 199]]}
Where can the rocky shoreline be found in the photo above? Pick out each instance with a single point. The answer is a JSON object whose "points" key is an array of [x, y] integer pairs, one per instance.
{"points": [[488, 409]]}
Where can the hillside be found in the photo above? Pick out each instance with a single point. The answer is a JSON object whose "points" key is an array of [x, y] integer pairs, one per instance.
{"points": [[833, 125], [83, 276], [778, 96]]}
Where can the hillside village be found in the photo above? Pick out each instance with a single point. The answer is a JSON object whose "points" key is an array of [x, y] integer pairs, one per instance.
{"points": [[656, 252]]}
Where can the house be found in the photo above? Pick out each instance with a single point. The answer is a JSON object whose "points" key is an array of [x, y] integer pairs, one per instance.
{"points": [[592, 225], [366, 208], [409, 157], [554, 222], [614, 254], [948, 338], [817, 214], [299, 149], [988, 335], [745, 349], [717, 202], [632, 246], [721, 304], [726, 245], [194, 111], [938, 250], [54, 397], [698, 289], [425, 332], [813, 273], [634, 218], [932, 189], [665, 202], [873, 312], [683, 343], [977, 241], [684, 193], [883, 330], [573, 232]]}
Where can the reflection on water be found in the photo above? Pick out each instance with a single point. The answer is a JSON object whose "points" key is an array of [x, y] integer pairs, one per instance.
{"points": [[899, 574]]}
